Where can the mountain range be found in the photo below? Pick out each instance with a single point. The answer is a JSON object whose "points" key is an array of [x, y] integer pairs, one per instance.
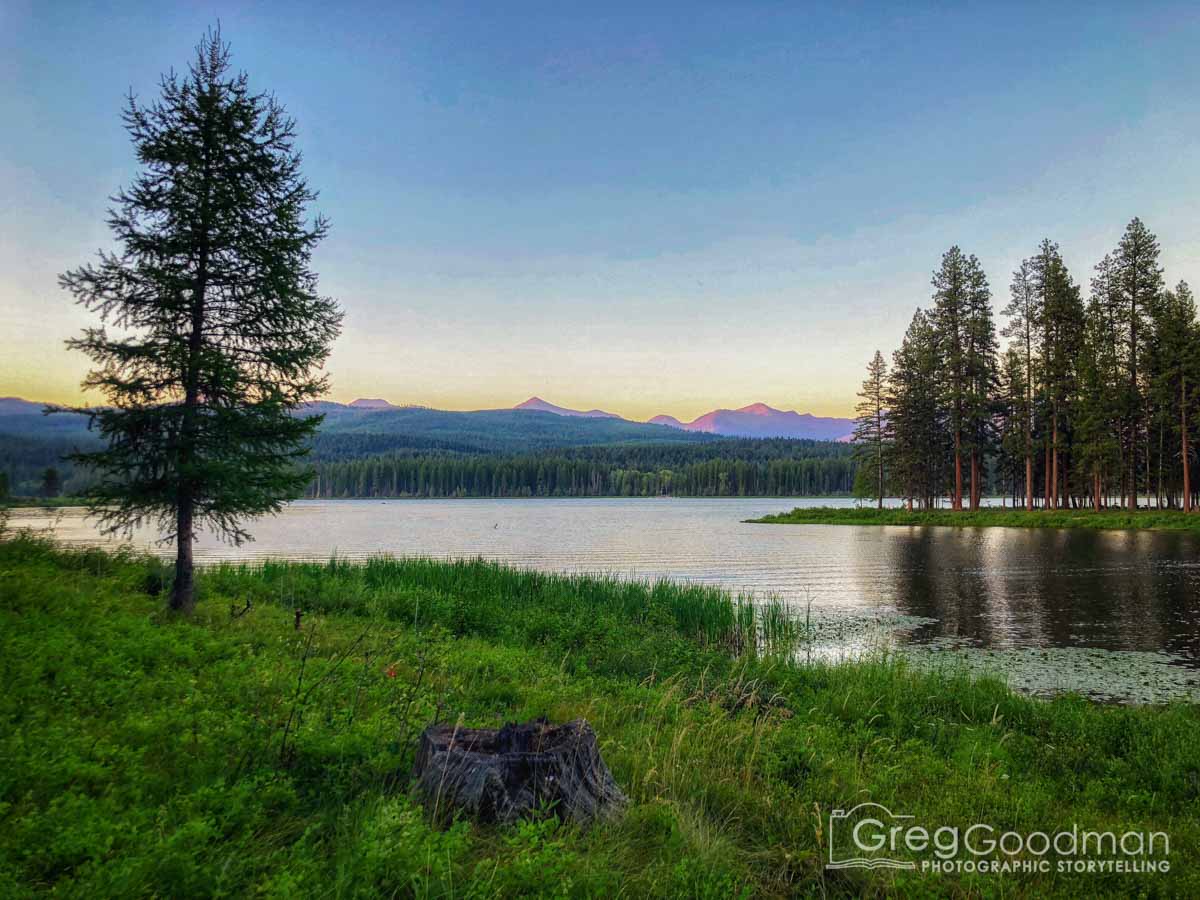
{"points": [[756, 420], [537, 404]]}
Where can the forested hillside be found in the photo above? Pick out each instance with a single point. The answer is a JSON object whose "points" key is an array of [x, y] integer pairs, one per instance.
{"points": [[416, 452], [489, 430], [31, 443], [729, 468]]}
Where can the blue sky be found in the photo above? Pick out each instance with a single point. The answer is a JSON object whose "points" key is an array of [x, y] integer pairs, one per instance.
{"points": [[651, 208]]}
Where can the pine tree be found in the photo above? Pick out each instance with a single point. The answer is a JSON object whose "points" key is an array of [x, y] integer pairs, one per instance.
{"points": [[1024, 328], [916, 425], [224, 332], [1062, 318], [1172, 362], [870, 423], [1096, 421], [51, 483], [982, 376], [1105, 391], [960, 296], [1138, 281]]}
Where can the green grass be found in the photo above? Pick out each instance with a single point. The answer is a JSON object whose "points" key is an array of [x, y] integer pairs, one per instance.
{"points": [[231, 755], [1157, 520]]}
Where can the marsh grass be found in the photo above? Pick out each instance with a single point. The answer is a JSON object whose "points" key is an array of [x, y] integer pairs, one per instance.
{"points": [[498, 601], [234, 755]]}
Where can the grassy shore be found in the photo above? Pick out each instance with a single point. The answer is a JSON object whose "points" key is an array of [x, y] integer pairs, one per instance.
{"points": [[231, 754], [1150, 519]]}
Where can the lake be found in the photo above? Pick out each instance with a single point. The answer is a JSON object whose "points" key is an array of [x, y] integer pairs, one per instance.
{"points": [[1113, 614]]}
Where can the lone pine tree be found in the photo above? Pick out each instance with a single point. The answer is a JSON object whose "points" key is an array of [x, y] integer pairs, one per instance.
{"points": [[223, 333]]}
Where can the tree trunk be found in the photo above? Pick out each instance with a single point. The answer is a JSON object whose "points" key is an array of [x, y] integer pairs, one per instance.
{"points": [[1183, 428], [1148, 468], [1131, 498], [183, 591], [1028, 476], [958, 475], [974, 479], [1096, 486], [1158, 488], [1046, 474], [879, 452], [183, 594], [1054, 460], [1133, 397]]}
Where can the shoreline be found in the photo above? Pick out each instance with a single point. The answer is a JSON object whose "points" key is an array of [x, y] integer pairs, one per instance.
{"points": [[991, 517]]}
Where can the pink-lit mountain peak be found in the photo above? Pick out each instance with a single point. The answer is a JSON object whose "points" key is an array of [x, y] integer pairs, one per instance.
{"points": [[755, 420], [537, 404], [759, 409], [761, 420]]}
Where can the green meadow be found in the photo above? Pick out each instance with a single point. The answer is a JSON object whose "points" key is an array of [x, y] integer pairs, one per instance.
{"points": [[232, 754]]}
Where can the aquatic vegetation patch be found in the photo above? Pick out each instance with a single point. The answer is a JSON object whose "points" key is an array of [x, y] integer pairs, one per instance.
{"points": [[1124, 676]]}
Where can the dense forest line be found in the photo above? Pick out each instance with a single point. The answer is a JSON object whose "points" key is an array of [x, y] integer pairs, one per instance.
{"points": [[393, 465], [743, 468], [349, 432], [26, 461], [1091, 404]]}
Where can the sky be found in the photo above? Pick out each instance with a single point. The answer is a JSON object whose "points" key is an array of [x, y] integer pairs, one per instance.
{"points": [[648, 208]]}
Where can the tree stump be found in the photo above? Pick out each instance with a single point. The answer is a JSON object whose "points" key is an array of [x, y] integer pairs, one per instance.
{"points": [[519, 770]]}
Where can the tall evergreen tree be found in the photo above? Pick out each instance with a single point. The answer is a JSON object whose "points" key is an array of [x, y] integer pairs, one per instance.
{"points": [[1024, 329], [1062, 318], [961, 296], [1139, 281], [1097, 421], [869, 429], [1173, 364], [51, 483], [224, 332], [1012, 413], [916, 424], [1106, 387], [982, 377]]}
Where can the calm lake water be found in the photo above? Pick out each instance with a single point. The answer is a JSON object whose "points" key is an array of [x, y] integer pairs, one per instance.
{"points": [[1057, 600]]}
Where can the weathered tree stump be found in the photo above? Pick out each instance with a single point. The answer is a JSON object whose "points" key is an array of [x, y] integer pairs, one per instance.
{"points": [[519, 770]]}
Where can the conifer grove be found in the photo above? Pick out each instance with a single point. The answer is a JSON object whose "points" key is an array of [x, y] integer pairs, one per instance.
{"points": [[1091, 402]]}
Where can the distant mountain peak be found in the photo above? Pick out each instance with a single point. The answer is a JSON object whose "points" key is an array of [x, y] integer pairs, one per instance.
{"points": [[669, 421], [763, 421], [758, 409], [19, 406], [370, 403], [537, 404]]}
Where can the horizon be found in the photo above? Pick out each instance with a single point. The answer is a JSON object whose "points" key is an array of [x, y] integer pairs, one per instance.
{"points": [[633, 211], [367, 402]]}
